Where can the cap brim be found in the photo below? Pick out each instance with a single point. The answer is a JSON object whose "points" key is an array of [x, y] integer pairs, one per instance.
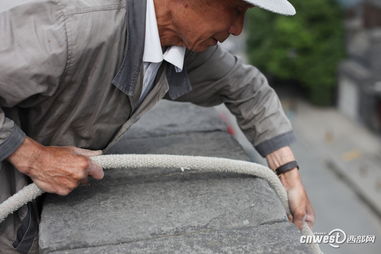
{"points": [[278, 6]]}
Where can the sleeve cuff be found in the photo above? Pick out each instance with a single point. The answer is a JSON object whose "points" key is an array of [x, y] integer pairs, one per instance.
{"points": [[275, 143], [11, 143]]}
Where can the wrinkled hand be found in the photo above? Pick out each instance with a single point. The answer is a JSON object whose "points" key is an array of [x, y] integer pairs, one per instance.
{"points": [[300, 205], [56, 169]]}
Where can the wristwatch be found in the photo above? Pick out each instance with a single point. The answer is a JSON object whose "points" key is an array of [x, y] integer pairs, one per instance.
{"points": [[287, 167]]}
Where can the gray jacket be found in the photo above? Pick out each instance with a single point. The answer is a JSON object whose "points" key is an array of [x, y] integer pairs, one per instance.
{"points": [[71, 74]]}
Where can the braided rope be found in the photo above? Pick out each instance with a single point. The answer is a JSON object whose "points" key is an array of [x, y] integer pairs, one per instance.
{"points": [[199, 163]]}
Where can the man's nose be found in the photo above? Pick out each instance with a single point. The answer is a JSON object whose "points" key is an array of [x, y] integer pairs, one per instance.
{"points": [[237, 26]]}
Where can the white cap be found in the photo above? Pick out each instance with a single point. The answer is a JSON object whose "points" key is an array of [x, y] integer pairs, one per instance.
{"points": [[283, 7]]}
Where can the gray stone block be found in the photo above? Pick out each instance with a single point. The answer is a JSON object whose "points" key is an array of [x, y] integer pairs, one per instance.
{"points": [[169, 118], [129, 205], [218, 144], [167, 210]]}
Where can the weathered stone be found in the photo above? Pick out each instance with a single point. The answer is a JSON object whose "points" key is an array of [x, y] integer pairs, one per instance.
{"points": [[129, 205], [202, 144], [169, 118], [170, 210], [268, 238]]}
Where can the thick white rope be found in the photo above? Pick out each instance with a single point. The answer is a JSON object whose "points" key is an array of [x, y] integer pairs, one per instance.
{"points": [[199, 163]]}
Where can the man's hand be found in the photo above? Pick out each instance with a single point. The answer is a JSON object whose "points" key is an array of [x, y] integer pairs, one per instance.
{"points": [[55, 169], [300, 205]]}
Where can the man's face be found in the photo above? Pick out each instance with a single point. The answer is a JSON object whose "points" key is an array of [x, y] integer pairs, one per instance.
{"points": [[202, 23]]}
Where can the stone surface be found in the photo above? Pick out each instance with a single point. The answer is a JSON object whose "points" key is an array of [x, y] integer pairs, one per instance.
{"points": [[269, 238], [218, 144], [170, 211], [169, 118]]}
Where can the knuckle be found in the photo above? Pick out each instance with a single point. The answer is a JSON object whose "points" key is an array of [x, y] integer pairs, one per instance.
{"points": [[299, 214], [82, 174], [79, 174], [83, 162], [50, 190], [72, 185], [63, 192]]}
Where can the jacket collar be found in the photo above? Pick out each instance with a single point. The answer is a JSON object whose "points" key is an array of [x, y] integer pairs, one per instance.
{"points": [[127, 75]]}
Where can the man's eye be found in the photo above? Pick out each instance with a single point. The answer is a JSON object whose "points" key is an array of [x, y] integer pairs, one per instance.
{"points": [[239, 11]]}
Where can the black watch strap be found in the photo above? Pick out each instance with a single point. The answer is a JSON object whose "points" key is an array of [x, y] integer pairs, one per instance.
{"points": [[287, 167]]}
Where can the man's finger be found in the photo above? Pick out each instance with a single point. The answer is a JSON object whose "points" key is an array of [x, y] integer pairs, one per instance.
{"points": [[310, 215], [95, 171], [310, 220], [299, 218], [86, 152]]}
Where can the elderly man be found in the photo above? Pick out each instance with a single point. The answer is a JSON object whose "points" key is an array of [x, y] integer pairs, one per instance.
{"points": [[76, 74]]}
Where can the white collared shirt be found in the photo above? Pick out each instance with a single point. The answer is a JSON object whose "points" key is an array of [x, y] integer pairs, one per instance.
{"points": [[153, 54]]}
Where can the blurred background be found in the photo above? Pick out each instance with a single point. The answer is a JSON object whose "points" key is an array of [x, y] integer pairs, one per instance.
{"points": [[325, 65]]}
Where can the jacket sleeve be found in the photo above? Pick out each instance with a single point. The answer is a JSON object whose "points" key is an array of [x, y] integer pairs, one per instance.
{"points": [[33, 56], [219, 77]]}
